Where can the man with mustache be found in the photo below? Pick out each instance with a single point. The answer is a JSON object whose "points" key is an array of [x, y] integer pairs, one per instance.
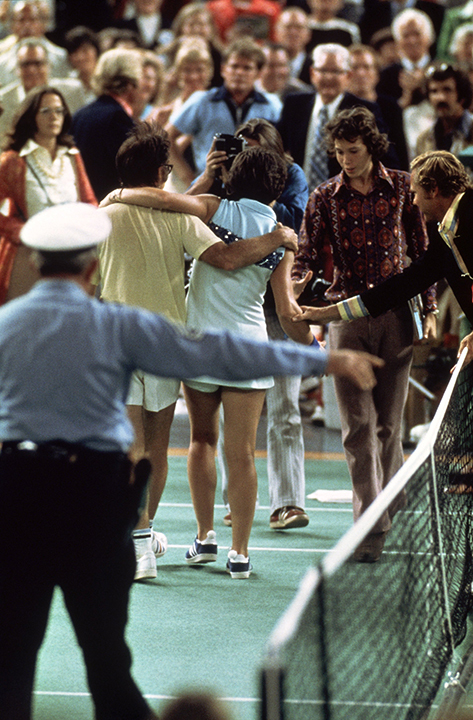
{"points": [[450, 93]]}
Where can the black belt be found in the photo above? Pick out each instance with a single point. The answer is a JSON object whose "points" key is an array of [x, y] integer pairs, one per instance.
{"points": [[56, 450]]}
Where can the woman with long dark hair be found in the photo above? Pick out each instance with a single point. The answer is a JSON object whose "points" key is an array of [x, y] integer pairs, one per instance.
{"points": [[39, 167]]}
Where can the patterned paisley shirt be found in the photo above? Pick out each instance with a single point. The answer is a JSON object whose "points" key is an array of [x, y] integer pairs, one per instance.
{"points": [[360, 240]]}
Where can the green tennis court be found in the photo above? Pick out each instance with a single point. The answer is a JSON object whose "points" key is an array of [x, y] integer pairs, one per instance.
{"points": [[194, 626]]}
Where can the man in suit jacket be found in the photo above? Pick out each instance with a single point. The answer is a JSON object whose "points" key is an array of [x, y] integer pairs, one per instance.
{"points": [[414, 35], [363, 78], [100, 127], [329, 76], [378, 14]]}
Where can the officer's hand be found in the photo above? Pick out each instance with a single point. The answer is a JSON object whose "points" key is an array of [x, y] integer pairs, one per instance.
{"points": [[359, 367]]}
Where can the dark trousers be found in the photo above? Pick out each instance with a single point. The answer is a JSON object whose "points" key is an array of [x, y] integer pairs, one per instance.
{"points": [[67, 521]]}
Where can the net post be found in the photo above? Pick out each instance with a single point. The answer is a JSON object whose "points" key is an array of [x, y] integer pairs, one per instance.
{"points": [[456, 687], [320, 596], [272, 690]]}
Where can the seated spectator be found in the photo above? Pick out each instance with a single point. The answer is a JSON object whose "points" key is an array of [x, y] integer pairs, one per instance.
{"points": [[461, 46], [83, 50], [292, 31], [149, 87], [379, 14], [195, 20], [221, 109], [148, 23], [450, 93], [454, 18], [33, 70], [384, 45], [244, 18], [326, 27], [414, 35], [362, 82], [29, 19], [191, 71], [275, 76]]}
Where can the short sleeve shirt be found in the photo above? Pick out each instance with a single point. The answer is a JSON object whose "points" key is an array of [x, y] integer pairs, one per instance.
{"points": [[207, 112], [142, 263]]}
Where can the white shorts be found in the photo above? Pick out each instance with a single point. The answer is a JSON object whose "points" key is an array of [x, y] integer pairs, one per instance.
{"points": [[152, 393], [209, 387]]}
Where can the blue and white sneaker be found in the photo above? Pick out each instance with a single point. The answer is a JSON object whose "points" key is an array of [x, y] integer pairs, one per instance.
{"points": [[203, 551], [238, 566]]}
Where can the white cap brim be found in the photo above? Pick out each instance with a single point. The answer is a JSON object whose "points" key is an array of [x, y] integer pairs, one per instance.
{"points": [[66, 228]]}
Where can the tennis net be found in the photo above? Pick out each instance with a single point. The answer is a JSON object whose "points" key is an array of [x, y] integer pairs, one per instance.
{"points": [[374, 641]]}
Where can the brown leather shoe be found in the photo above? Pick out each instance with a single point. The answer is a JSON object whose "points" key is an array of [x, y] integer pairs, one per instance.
{"points": [[371, 548], [288, 517]]}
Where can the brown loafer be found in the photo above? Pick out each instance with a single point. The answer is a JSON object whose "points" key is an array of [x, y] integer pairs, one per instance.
{"points": [[288, 517], [371, 548]]}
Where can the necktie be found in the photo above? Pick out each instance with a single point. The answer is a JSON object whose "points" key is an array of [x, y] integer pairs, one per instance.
{"points": [[318, 171]]}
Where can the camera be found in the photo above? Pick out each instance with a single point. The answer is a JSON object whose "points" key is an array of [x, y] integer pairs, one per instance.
{"points": [[314, 292], [231, 145]]}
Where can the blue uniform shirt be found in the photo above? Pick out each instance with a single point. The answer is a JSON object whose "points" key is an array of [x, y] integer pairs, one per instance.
{"points": [[66, 362]]}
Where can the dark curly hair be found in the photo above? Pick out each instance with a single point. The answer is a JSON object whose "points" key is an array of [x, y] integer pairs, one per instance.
{"points": [[357, 122], [439, 72], [141, 155], [24, 125], [257, 174]]}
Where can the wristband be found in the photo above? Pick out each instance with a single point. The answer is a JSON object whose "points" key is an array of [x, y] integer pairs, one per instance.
{"points": [[352, 309]]}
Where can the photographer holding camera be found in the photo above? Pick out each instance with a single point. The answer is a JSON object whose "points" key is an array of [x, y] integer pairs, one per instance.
{"points": [[223, 109]]}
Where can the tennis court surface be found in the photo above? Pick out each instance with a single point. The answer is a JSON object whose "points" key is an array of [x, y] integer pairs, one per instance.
{"points": [[369, 641], [195, 626]]}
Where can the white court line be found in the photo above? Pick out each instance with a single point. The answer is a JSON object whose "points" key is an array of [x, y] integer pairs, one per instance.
{"points": [[340, 703], [262, 549], [260, 507], [148, 696]]}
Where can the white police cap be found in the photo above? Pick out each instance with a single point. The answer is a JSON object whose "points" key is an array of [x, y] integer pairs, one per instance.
{"points": [[70, 227]]}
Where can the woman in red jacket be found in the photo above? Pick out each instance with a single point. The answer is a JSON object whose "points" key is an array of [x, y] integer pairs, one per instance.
{"points": [[39, 167]]}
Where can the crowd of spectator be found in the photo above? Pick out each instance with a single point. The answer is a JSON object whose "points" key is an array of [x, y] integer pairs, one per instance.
{"points": [[184, 48]]}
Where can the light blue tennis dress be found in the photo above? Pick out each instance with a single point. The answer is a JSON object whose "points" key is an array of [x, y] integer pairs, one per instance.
{"points": [[233, 300]]}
